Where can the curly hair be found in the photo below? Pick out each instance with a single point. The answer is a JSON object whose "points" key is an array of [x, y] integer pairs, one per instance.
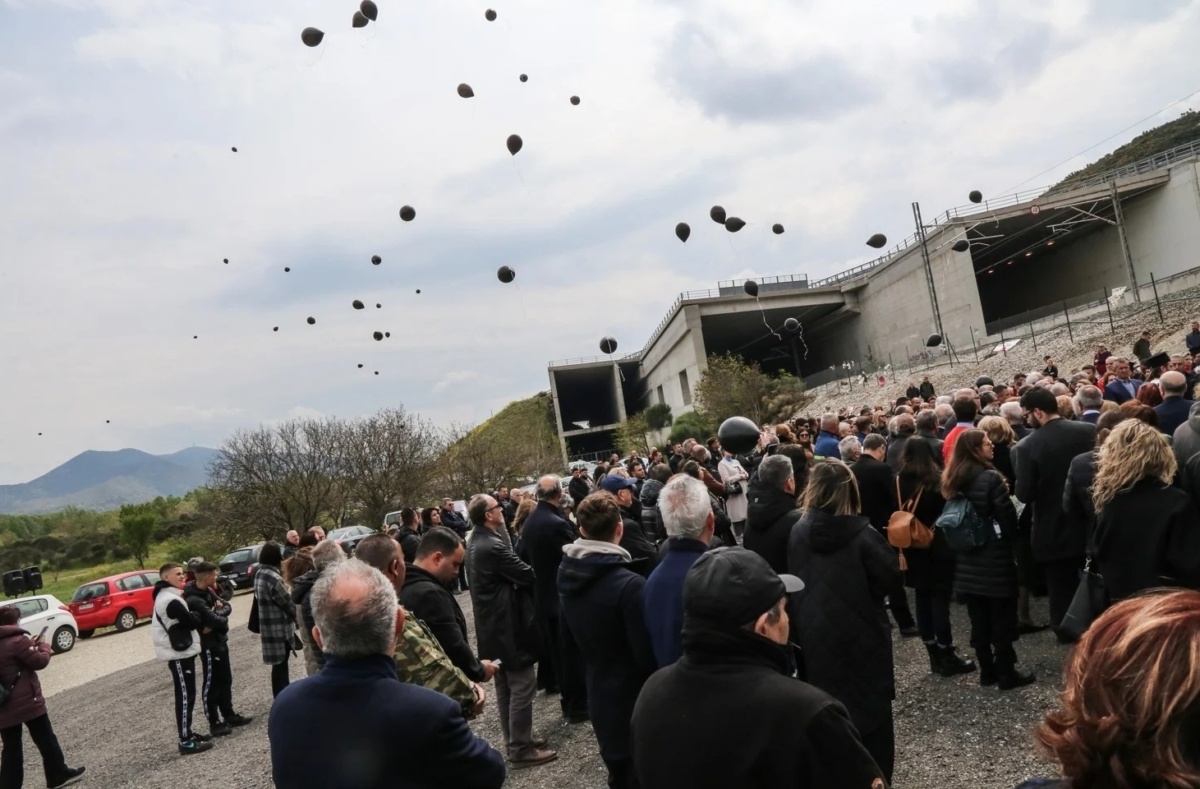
{"points": [[1129, 717], [1132, 452]]}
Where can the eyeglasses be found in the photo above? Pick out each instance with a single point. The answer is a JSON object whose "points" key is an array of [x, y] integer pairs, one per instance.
{"points": [[497, 507]]}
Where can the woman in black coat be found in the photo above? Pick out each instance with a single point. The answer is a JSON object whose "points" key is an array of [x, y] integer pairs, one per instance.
{"points": [[930, 570], [1147, 532], [848, 568], [987, 576]]}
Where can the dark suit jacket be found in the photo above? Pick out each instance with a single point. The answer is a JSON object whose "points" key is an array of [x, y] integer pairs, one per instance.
{"points": [[1042, 462], [543, 536], [1094, 417], [1172, 413], [877, 488], [1117, 392]]}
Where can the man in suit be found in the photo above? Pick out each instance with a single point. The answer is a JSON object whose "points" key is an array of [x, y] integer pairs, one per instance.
{"points": [[877, 490], [1045, 459], [1173, 411], [1090, 398], [1123, 388], [362, 704]]}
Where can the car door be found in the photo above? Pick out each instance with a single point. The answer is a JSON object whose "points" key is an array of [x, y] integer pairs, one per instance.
{"points": [[131, 594], [33, 617], [146, 594]]}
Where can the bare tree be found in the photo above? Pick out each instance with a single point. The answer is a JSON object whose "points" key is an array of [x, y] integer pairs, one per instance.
{"points": [[389, 460]]}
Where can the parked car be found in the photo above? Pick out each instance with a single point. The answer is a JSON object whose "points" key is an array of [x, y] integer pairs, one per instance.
{"points": [[350, 536], [119, 600], [45, 611], [239, 565]]}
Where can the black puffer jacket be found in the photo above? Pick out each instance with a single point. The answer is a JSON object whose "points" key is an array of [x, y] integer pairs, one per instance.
{"points": [[990, 571], [769, 520], [201, 602], [502, 598], [434, 604], [302, 586], [847, 568], [652, 524]]}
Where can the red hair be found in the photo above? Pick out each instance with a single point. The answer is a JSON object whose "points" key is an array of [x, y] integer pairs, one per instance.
{"points": [[1130, 714]]}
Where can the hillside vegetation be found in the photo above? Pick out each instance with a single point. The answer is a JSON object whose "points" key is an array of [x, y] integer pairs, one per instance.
{"points": [[1181, 131]]}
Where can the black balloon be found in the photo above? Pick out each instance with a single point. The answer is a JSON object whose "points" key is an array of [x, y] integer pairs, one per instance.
{"points": [[733, 224], [608, 345], [976, 196], [311, 321], [683, 231], [961, 245], [506, 274], [408, 213], [751, 288], [195, 336], [377, 372], [718, 214], [311, 36], [489, 15], [524, 77], [877, 241], [791, 324], [358, 305], [515, 143], [738, 435], [387, 334], [418, 291], [275, 329], [369, 9], [360, 367], [575, 100], [226, 261], [933, 341], [358, 20], [107, 422], [287, 269], [777, 229], [378, 306], [234, 149], [376, 260], [465, 91], [378, 336]]}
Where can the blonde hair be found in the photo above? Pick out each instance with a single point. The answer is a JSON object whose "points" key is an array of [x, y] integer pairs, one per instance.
{"points": [[832, 488], [998, 430], [1132, 452], [523, 509], [1066, 407]]}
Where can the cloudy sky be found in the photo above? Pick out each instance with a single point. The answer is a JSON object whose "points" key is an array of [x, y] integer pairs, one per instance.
{"points": [[120, 196]]}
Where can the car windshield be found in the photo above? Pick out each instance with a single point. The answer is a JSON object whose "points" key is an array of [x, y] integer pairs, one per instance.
{"points": [[236, 556], [344, 532], [88, 591]]}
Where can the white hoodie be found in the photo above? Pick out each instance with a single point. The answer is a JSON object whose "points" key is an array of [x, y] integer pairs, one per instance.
{"points": [[161, 620]]}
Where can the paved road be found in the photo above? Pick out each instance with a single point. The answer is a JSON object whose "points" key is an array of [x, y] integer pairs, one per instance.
{"points": [[950, 733]]}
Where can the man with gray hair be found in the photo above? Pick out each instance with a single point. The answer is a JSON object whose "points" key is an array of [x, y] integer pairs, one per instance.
{"points": [[688, 518], [849, 448], [325, 554], [945, 417], [361, 704], [1015, 415], [772, 511], [1173, 411], [1087, 404]]}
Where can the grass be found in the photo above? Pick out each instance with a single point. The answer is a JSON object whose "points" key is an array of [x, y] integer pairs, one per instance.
{"points": [[69, 580]]}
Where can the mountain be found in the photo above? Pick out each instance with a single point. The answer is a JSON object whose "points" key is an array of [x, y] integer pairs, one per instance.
{"points": [[105, 480], [1181, 131]]}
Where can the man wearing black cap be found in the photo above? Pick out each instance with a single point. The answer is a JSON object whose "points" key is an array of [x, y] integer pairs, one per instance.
{"points": [[736, 675], [633, 539]]}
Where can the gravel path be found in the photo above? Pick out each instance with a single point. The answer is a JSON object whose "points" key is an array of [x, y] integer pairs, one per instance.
{"points": [[950, 733]]}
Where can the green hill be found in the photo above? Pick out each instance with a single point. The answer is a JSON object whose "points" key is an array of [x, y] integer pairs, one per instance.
{"points": [[1181, 131], [511, 448]]}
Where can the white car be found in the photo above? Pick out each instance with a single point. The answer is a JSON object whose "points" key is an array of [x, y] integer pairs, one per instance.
{"points": [[45, 611]]}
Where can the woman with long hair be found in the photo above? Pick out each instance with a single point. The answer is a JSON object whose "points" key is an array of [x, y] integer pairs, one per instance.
{"points": [[930, 570], [842, 624], [1147, 532], [987, 576], [1129, 717], [276, 615], [293, 568]]}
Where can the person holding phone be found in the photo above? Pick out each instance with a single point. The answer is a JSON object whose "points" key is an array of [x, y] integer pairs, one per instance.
{"points": [[21, 657]]}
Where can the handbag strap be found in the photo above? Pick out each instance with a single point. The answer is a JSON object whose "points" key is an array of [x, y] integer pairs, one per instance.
{"points": [[904, 505]]}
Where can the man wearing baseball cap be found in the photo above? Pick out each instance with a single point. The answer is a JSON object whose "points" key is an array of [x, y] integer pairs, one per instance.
{"points": [[633, 539], [736, 675]]}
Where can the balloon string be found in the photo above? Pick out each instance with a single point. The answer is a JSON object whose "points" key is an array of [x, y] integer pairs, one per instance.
{"points": [[764, 319], [518, 170]]}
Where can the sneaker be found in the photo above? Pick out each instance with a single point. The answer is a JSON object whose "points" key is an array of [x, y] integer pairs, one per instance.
{"points": [[70, 777], [194, 746], [532, 757], [220, 729], [238, 720], [201, 737]]}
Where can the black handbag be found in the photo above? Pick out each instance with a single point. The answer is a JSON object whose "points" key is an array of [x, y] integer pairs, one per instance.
{"points": [[179, 635], [6, 690], [733, 488], [252, 625], [1090, 601]]}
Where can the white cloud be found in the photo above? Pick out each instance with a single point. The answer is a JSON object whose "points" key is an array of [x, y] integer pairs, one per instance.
{"points": [[453, 379]]}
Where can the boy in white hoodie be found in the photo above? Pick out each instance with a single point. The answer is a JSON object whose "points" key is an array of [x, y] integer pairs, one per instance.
{"points": [[175, 643]]}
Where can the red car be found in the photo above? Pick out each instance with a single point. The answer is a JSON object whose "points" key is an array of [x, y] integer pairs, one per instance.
{"points": [[119, 600]]}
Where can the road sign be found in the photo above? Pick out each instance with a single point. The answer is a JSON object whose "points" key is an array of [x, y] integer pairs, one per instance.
{"points": [[1035, 210]]}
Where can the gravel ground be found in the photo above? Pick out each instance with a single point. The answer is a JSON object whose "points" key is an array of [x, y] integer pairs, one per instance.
{"points": [[950, 733]]}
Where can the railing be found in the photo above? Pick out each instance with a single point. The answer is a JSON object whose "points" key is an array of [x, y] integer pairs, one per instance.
{"points": [[636, 355], [778, 279]]}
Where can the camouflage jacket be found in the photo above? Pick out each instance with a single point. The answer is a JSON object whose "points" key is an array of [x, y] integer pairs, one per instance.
{"points": [[421, 661]]}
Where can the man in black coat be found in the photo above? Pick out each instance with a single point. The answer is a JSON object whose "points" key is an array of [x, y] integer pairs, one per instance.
{"points": [[633, 538], [737, 675], [1042, 465], [454, 520], [543, 536], [203, 601], [502, 598], [602, 605], [578, 487], [426, 594], [771, 511], [877, 489]]}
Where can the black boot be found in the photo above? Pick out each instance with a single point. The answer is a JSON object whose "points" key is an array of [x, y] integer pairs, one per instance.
{"points": [[1007, 676], [935, 658], [953, 664], [987, 666]]}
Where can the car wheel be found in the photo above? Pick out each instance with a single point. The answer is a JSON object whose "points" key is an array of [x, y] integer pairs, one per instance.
{"points": [[64, 639], [126, 620], [86, 633]]}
